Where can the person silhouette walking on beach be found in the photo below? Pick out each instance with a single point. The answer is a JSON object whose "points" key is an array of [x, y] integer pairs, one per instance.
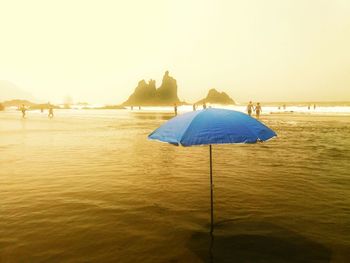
{"points": [[204, 105], [250, 108], [23, 110], [258, 110], [175, 109], [194, 107], [50, 112]]}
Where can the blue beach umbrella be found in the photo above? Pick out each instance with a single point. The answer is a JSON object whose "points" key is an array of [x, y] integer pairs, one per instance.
{"points": [[212, 126]]}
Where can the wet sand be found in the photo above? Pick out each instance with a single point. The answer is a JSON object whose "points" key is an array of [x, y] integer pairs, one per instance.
{"points": [[89, 186]]}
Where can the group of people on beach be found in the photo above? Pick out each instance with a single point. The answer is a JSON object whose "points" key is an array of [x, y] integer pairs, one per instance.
{"points": [[257, 108], [308, 107], [23, 109], [132, 107], [194, 107], [250, 108]]}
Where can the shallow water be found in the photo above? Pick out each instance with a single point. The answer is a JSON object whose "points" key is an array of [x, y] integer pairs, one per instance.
{"points": [[89, 186]]}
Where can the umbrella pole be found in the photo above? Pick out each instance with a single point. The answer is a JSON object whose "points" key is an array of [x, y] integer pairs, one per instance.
{"points": [[211, 192]]}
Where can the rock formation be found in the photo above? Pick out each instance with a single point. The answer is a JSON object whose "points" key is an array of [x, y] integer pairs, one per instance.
{"points": [[167, 92], [146, 94], [18, 103], [9, 91], [216, 97], [28, 104]]}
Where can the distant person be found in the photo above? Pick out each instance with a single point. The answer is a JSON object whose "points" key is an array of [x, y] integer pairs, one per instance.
{"points": [[132, 107], [279, 107], [41, 110], [175, 109], [139, 107], [50, 112], [194, 107], [314, 106], [250, 108], [23, 110], [308, 107], [258, 110], [284, 106], [204, 105]]}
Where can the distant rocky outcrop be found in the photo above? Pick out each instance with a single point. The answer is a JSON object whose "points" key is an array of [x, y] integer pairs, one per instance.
{"points": [[216, 97], [28, 104], [110, 107], [10, 91], [146, 94], [18, 103]]}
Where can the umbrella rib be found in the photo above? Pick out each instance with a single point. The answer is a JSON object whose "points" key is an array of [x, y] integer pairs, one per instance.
{"points": [[248, 128], [253, 132], [188, 127]]}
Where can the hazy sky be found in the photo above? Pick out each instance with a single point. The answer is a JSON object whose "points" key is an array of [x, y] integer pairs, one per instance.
{"points": [[97, 51]]}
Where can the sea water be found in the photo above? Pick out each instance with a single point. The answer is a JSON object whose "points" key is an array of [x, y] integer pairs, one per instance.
{"points": [[87, 186]]}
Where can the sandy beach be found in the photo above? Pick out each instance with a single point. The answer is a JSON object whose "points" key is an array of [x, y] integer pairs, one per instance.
{"points": [[89, 186]]}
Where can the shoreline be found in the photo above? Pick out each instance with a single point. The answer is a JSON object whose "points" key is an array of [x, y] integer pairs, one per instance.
{"points": [[267, 111]]}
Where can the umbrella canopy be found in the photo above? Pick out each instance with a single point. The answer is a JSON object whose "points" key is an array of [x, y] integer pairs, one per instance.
{"points": [[212, 126]]}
